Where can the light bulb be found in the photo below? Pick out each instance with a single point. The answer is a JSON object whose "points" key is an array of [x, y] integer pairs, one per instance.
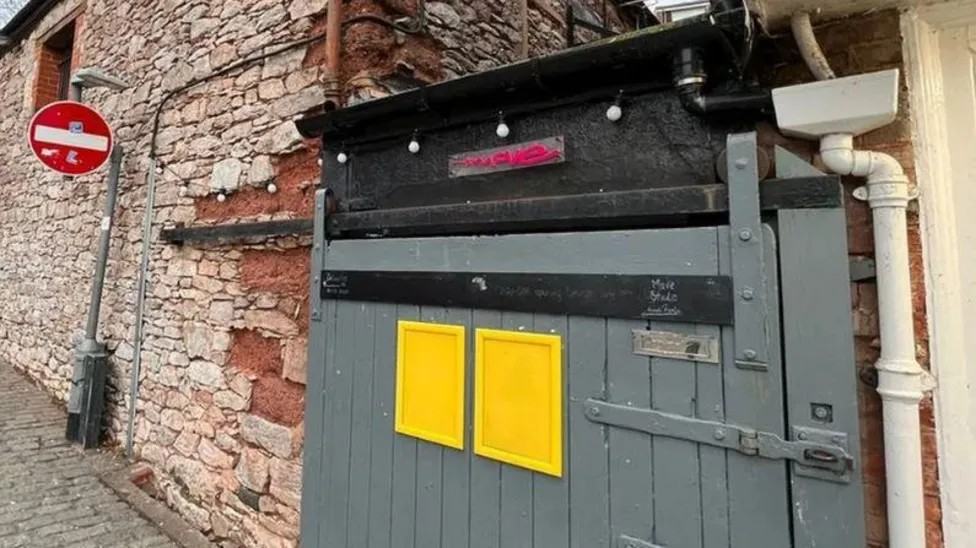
{"points": [[502, 130], [414, 146], [184, 190], [342, 157], [614, 113], [319, 161], [221, 197], [272, 188], [159, 171]]}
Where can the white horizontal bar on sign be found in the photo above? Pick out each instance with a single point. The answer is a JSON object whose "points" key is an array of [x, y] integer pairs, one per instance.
{"points": [[58, 136]]}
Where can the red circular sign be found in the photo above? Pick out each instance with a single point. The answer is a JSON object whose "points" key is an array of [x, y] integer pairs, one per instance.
{"points": [[70, 138]]}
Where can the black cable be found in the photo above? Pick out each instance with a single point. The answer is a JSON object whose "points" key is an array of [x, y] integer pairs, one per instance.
{"points": [[220, 72], [419, 23]]}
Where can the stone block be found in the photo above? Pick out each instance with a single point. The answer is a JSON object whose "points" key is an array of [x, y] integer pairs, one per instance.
{"points": [[295, 359], [270, 320], [226, 174], [277, 439], [286, 482], [206, 374], [253, 469], [212, 456]]}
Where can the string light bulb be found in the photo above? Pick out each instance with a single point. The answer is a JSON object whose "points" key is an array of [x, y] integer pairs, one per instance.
{"points": [[502, 130], [184, 191], [222, 196], [271, 188], [342, 157], [414, 146], [616, 112]]}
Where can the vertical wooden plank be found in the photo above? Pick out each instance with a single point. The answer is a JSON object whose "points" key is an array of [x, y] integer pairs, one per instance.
{"points": [[350, 320], [676, 473], [759, 513], [588, 471], [819, 351], [551, 495], [714, 477], [361, 370], [485, 516], [429, 471], [516, 488], [631, 457], [404, 508], [381, 454], [320, 343], [457, 464]]}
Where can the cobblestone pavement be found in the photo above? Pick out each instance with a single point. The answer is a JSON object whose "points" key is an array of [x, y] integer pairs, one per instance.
{"points": [[50, 494]]}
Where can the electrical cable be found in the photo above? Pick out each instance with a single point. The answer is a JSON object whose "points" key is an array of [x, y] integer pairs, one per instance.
{"points": [[417, 26]]}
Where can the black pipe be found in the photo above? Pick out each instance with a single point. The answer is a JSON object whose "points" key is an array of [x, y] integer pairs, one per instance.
{"points": [[690, 79]]}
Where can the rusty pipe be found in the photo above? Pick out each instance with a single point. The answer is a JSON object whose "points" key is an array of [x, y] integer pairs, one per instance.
{"points": [[333, 53]]}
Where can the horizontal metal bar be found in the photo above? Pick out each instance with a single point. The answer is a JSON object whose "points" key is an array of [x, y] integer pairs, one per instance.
{"points": [[810, 454], [237, 231], [629, 207], [692, 299]]}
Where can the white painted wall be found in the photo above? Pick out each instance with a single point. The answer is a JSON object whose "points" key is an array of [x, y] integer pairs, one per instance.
{"points": [[940, 56]]}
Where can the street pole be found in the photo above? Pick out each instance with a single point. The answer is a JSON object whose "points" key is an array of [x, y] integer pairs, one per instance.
{"points": [[91, 357]]}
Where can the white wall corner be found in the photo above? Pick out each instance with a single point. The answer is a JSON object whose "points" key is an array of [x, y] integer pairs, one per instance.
{"points": [[920, 32]]}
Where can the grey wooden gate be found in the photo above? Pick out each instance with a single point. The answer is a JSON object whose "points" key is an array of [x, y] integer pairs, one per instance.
{"points": [[747, 438]]}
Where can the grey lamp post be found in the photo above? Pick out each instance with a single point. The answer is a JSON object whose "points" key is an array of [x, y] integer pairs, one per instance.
{"points": [[85, 399]]}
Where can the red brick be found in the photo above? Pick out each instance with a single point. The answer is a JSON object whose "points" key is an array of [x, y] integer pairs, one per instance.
{"points": [[254, 353], [278, 400], [281, 272]]}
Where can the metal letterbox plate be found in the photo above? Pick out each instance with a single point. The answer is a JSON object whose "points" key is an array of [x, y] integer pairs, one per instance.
{"points": [[677, 346]]}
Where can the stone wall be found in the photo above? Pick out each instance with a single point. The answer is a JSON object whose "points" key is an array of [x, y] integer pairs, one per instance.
{"points": [[220, 408]]}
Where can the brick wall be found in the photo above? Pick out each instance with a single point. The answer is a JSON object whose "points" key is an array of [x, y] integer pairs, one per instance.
{"points": [[856, 45]]}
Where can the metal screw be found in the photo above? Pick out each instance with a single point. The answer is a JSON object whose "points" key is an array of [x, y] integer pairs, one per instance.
{"points": [[719, 434], [741, 163], [749, 354], [802, 435], [595, 411], [820, 412], [745, 235], [747, 294]]}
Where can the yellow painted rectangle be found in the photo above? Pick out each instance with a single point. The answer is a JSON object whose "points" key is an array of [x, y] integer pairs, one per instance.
{"points": [[518, 402], [430, 382]]}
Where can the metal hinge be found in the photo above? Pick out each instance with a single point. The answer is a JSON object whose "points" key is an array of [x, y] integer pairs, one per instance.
{"points": [[815, 453]]}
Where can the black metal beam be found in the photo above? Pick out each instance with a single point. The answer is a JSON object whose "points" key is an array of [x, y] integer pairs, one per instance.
{"points": [[237, 231], [694, 299], [609, 209]]}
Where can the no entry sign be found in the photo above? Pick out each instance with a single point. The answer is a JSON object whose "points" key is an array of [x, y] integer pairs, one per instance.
{"points": [[70, 138]]}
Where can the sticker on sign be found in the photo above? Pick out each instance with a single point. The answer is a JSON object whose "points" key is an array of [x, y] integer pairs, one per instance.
{"points": [[70, 138]]}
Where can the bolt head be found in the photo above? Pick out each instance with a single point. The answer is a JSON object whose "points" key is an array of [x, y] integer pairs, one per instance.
{"points": [[749, 354], [745, 234], [595, 411], [802, 436], [747, 294], [719, 434], [741, 163]]}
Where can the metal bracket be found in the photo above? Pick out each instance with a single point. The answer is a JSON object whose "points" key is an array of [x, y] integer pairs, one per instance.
{"points": [[815, 453], [318, 243], [627, 541], [745, 233]]}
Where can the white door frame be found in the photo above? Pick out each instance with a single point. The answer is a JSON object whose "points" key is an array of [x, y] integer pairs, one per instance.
{"points": [[956, 446]]}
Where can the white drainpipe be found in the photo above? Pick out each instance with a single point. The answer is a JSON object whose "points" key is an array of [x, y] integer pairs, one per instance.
{"points": [[901, 381]]}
